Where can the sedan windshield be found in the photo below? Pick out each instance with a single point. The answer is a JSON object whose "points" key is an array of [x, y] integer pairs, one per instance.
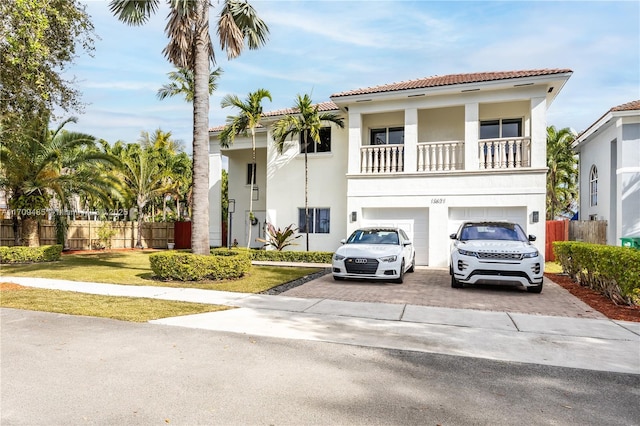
{"points": [[374, 236], [492, 231]]}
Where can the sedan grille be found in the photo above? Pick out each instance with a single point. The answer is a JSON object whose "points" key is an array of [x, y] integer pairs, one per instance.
{"points": [[500, 256], [361, 265]]}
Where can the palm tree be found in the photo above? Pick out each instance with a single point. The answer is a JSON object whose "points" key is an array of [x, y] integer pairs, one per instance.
{"points": [[190, 47], [307, 123], [143, 175], [247, 119], [40, 164], [182, 83], [562, 171]]}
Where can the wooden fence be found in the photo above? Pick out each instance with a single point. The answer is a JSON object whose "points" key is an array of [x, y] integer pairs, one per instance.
{"points": [[588, 231], [83, 234]]}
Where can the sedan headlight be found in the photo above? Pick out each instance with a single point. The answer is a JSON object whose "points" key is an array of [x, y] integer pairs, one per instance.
{"points": [[468, 252], [530, 255], [338, 256], [389, 258]]}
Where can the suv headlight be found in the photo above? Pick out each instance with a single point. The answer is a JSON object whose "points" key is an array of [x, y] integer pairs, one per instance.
{"points": [[338, 257], [389, 258], [468, 252], [530, 255]]}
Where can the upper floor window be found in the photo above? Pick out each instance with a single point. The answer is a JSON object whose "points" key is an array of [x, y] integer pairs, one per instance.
{"points": [[387, 136], [324, 145], [502, 128], [319, 220], [251, 173], [593, 186]]}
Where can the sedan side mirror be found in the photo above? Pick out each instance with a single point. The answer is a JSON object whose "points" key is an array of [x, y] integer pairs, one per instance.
{"points": [[407, 242], [453, 236], [342, 241], [532, 237]]}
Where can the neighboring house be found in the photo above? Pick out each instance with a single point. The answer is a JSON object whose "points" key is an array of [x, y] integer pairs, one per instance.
{"points": [[423, 155], [609, 153]]}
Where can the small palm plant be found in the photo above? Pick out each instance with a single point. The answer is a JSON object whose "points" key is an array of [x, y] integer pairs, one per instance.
{"points": [[279, 238]]}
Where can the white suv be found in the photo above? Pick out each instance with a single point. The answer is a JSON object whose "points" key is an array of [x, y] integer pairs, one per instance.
{"points": [[495, 253]]}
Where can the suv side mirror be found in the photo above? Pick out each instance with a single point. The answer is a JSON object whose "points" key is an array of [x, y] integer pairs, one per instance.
{"points": [[453, 236], [532, 237]]}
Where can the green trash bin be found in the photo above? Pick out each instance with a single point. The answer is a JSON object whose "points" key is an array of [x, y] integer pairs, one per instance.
{"points": [[633, 242]]}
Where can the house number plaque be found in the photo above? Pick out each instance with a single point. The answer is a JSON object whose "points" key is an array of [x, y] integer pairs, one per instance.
{"points": [[438, 200]]}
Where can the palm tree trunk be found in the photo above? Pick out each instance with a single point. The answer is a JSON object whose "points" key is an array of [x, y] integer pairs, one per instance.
{"points": [[306, 190], [253, 177], [200, 216], [30, 235], [139, 238]]}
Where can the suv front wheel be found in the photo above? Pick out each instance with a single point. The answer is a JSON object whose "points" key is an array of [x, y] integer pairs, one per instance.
{"points": [[535, 289]]}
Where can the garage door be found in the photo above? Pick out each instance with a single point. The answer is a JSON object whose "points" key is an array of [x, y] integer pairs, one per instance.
{"points": [[457, 215], [412, 221]]}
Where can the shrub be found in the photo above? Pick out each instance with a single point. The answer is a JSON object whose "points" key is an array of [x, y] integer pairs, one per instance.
{"points": [[282, 256], [280, 238], [19, 254], [184, 266], [611, 270]]}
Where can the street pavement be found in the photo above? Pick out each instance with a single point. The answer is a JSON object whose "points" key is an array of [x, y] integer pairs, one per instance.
{"points": [[504, 335]]}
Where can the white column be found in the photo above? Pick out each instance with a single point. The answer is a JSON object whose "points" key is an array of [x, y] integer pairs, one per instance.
{"points": [[538, 132], [410, 140], [215, 195], [471, 135], [355, 142]]}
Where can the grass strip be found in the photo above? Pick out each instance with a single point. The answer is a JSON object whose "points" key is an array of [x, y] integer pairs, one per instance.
{"points": [[132, 309]]}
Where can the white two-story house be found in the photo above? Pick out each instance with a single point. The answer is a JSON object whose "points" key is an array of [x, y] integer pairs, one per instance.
{"points": [[609, 153], [423, 154]]}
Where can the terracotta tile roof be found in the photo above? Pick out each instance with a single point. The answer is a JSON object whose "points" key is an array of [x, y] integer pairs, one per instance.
{"points": [[629, 106], [452, 79], [322, 107]]}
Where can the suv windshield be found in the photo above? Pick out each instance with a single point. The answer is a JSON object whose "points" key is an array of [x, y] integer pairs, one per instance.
{"points": [[492, 231], [374, 236]]}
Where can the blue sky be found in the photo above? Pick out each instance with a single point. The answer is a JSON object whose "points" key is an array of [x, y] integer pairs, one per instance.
{"points": [[324, 47]]}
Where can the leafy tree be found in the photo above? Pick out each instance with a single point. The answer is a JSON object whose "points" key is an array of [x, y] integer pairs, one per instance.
{"points": [[563, 172], [42, 164], [182, 83], [39, 39], [190, 47], [307, 122], [247, 120]]}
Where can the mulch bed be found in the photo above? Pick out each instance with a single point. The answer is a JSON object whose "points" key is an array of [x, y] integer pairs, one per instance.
{"points": [[596, 300]]}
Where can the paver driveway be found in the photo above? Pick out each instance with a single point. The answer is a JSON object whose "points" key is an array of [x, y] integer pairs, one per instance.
{"points": [[432, 287]]}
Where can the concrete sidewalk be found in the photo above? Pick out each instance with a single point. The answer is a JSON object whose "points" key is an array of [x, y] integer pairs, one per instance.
{"points": [[597, 344]]}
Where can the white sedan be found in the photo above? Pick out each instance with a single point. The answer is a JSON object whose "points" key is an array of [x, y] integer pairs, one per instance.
{"points": [[374, 253]]}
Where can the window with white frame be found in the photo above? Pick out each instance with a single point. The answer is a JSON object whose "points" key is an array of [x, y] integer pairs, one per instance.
{"points": [[501, 128], [387, 136], [593, 186], [319, 220], [323, 145]]}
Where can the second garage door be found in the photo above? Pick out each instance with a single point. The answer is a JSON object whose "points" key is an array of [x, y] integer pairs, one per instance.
{"points": [[457, 215]]}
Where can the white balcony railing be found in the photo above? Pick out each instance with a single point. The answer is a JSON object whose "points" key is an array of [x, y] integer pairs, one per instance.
{"points": [[437, 156], [504, 153], [382, 159]]}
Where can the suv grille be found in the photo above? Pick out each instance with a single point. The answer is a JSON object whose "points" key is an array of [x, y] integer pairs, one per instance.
{"points": [[361, 265], [500, 256]]}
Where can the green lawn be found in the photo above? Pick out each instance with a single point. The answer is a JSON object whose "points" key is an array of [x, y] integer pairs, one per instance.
{"points": [[132, 268]]}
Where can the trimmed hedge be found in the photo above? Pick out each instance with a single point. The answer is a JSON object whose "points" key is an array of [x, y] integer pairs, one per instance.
{"points": [[184, 266], [281, 256], [611, 270], [20, 254]]}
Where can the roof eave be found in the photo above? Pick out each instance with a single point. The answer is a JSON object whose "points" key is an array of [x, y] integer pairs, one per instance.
{"points": [[557, 81], [604, 121]]}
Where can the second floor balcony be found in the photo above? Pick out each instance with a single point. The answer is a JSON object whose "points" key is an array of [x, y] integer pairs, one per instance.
{"points": [[443, 156]]}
